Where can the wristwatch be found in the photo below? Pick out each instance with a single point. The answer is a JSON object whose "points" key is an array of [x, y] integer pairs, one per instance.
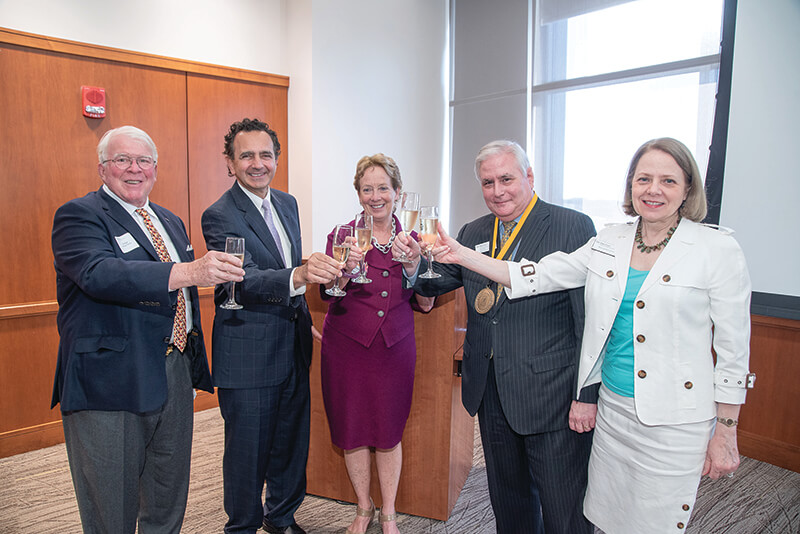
{"points": [[727, 421]]}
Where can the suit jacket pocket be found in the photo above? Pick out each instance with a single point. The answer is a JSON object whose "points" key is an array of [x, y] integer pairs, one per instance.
{"points": [[100, 343], [603, 266], [552, 360], [102, 374]]}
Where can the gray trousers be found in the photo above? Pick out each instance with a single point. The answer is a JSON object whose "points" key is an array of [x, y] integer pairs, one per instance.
{"points": [[128, 466]]}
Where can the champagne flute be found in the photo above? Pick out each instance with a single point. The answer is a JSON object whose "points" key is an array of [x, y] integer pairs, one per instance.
{"points": [[429, 218], [409, 211], [341, 250], [235, 247], [363, 227]]}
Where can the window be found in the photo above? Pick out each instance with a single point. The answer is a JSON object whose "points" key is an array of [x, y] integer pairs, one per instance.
{"points": [[606, 80]]}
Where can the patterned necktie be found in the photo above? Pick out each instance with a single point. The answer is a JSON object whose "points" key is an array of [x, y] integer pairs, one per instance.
{"points": [[507, 229], [179, 326], [267, 209]]}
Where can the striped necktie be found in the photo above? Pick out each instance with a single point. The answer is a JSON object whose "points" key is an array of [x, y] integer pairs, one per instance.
{"points": [[179, 326]]}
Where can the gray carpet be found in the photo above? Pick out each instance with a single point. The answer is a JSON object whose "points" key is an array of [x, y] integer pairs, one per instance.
{"points": [[36, 495]]}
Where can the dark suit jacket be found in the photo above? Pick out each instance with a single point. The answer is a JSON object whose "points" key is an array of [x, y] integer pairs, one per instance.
{"points": [[257, 346], [535, 341], [115, 313]]}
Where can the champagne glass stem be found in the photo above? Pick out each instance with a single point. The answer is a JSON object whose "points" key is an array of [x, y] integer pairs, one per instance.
{"points": [[403, 257]]}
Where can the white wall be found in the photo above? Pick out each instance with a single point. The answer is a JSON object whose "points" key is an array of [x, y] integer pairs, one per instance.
{"points": [[365, 77], [299, 39], [762, 182], [379, 86], [246, 34]]}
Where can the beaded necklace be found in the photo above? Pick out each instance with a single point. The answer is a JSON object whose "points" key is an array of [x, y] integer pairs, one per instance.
{"points": [[388, 246], [647, 249]]}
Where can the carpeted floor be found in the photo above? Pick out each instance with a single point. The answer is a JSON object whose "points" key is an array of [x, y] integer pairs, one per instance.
{"points": [[36, 495]]}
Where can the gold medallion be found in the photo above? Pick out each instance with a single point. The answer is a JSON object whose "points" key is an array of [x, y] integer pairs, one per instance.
{"points": [[484, 300]]}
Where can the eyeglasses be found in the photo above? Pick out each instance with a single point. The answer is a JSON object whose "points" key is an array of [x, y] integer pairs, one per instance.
{"points": [[123, 162]]}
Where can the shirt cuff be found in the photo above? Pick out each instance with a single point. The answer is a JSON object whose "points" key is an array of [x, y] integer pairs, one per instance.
{"points": [[413, 278], [523, 278], [292, 291]]}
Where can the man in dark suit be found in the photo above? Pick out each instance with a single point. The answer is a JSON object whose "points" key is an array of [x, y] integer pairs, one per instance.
{"points": [[131, 347], [262, 352], [520, 357]]}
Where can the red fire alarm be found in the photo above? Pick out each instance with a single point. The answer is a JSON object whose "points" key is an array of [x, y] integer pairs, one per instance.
{"points": [[94, 101]]}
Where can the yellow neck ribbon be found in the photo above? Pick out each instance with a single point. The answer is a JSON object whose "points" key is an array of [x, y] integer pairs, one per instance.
{"points": [[513, 235]]}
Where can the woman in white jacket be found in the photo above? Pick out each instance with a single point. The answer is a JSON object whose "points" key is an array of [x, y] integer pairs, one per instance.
{"points": [[661, 292]]}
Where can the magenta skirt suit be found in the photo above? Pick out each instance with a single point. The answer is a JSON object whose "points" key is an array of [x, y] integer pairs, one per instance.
{"points": [[368, 356]]}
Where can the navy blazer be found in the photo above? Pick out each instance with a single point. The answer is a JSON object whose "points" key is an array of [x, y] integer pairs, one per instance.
{"points": [[535, 342], [257, 346], [115, 312]]}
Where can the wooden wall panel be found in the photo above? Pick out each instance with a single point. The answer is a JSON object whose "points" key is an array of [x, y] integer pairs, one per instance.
{"points": [[29, 346], [49, 149], [213, 105], [770, 428], [49, 158]]}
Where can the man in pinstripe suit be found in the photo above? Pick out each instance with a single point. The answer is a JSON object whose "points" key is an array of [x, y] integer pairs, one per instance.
{"points": [[520, 357], [261, 353]]}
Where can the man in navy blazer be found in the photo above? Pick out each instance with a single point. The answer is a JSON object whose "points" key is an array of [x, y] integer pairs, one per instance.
{"points": [[261, 353], [520, 357], [131, 348]]}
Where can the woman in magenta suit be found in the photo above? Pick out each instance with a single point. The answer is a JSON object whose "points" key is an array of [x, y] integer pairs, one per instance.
{"points": [[368, 352]]}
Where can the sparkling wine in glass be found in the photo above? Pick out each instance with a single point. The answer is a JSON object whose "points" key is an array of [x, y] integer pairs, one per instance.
{"points": [[429, 218], [408, 213], [235, 247], [363, 227], [340, 252]]}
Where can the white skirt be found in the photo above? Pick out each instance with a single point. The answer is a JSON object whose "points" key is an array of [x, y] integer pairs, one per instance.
{"points": [[642, 479]]}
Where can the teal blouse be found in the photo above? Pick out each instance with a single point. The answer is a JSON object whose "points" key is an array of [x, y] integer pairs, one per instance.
{"points": [[618, 361]]}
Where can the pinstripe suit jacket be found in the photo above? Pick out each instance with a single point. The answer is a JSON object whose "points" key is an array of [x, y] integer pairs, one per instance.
{"points": [[535, 342], [257, 346]]}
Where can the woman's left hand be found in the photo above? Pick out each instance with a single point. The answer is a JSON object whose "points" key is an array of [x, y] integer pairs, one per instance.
{"points": [[354, 258], [722, 455]]}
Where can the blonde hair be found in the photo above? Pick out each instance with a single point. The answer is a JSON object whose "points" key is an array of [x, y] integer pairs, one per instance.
{"points": [[382, 161]]}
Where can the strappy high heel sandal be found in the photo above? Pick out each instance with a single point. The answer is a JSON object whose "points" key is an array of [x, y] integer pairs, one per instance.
{"points": [[385, 518], [364, 513]]}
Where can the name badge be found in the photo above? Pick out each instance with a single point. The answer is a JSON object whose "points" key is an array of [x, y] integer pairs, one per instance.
{"points": [[482, 247], [603, 247], [126, 242]]}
